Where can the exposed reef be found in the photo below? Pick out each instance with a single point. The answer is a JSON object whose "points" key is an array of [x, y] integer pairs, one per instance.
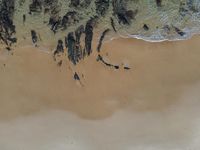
{"points": [[73, 23]]}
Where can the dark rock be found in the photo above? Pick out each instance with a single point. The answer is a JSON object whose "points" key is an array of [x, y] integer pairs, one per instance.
{"points": [[145, 27], [54, 22], [69, 18], [34, 36], [12, 40], [102, 7], [124, 16], [113, 24], [35, 6], [71, 47], [8, 48], [100, 58], [59, 48], [76, 76], [24, 18], [89, 35], [75, 3], [7, 28], [159, 3], [127, 68], [79, 31], [116, 67], [101, 39], [180, 32]]}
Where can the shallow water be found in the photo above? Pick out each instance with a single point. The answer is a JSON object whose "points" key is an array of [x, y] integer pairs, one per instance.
{"points": [[161, 21]]}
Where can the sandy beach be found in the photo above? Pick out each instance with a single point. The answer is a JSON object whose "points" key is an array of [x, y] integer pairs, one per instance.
{"points": [[152, 106]]}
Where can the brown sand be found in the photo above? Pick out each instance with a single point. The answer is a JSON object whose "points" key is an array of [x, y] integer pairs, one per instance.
{"points": [[34, 89]]}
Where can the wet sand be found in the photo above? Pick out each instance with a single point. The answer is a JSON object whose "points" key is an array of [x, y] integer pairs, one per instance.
{"points": [[154, 105]]}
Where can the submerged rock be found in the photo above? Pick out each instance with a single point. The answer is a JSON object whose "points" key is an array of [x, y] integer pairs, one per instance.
{"points": [[126, 17]]}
